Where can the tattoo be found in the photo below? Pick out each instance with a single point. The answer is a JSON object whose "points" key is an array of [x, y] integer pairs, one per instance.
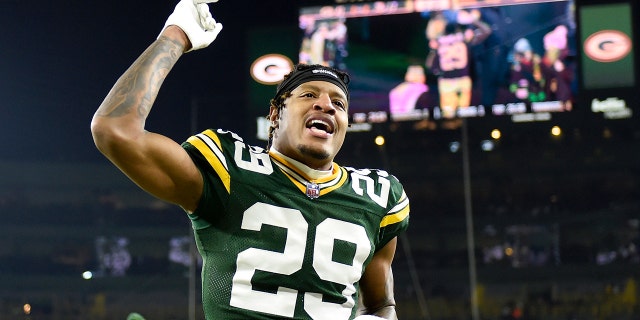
{"points": [[138, 88]]}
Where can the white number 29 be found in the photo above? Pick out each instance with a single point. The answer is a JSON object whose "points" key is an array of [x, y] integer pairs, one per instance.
{"points": [[283, 302]]}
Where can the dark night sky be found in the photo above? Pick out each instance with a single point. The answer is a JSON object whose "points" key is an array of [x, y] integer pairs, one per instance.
{"points": [[58, 59]]}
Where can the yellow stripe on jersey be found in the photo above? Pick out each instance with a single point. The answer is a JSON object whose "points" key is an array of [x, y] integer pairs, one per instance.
{"points": [[343, 178], [323, 191], [397, 213], [209, 145], [300, 185], [299, 173], [395, 218], [327, 184]]}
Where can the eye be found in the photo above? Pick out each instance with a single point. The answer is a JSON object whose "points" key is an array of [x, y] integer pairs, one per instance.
{"points": [[339, 103]]}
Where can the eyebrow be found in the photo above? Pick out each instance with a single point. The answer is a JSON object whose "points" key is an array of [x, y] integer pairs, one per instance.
{"points": [[332, 92]]}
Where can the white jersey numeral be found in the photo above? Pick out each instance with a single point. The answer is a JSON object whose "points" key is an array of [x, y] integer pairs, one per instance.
{"points": [[283, 302], [259, 162], [363, 175], [327, 232]]}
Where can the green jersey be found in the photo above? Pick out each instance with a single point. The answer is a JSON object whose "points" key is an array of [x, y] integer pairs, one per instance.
{"points": [[278, 245]]}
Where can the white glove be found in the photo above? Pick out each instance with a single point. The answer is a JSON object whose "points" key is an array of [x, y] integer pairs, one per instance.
{"points": [[367, 317], [194, 18]]}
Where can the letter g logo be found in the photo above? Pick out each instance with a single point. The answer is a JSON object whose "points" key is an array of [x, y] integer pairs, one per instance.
{"points": [[607, 46], [271, 68]]}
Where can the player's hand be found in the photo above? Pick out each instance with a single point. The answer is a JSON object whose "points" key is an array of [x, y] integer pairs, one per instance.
{"points": [[367, 317], [195, 19], [468, 17]]}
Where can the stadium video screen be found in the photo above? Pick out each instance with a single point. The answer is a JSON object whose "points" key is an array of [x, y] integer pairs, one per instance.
{"points": [[416, 60], [606, 36], [608, 59]]}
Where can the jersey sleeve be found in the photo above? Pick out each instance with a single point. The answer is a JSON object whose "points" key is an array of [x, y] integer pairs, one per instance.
{"points": [[396, 219], [209, 151]]}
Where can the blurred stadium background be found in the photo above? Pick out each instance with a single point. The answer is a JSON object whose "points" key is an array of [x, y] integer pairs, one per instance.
{"points": [[555, 205]]}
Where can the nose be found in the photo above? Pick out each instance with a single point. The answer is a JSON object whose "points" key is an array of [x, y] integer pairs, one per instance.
{"points": [[324, 104]]}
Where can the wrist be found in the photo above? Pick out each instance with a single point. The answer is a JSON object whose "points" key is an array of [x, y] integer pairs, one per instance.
{"points": [[176, 34]]}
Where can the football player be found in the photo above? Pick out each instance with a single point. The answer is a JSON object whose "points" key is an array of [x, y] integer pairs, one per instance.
{"points": [[451, 35], [284, 232]]}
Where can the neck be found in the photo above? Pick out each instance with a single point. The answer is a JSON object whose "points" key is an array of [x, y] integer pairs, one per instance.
{"points": [[313, 173]]}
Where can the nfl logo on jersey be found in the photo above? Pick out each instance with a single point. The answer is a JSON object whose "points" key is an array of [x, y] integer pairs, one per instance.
{"points": [[313, 190]]}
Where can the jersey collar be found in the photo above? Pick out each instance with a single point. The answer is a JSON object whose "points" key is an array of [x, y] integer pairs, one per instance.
{"points": [[308, 179]]}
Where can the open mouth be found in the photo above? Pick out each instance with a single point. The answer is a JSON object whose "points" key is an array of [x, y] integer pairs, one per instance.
{"points": [[321, 125]]}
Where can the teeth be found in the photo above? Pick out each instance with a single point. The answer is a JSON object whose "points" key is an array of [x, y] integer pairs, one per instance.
{"points": [[319, 122], [324, 125]]}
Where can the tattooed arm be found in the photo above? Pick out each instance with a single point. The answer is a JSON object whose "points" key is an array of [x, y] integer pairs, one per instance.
{"points": [[156, 163]]}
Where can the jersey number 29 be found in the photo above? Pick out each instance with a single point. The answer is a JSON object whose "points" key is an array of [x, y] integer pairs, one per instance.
{"points": [[283, 302]]}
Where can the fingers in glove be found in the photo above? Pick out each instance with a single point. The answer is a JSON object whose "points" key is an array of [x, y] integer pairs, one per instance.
{"points": [[206, 19]]}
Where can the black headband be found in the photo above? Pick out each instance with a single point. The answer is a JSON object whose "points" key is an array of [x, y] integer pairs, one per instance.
{"points": [[313, 73]]}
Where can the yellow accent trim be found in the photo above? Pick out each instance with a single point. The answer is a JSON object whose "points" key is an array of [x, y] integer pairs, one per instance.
{"points": [[395, 218], [303, 187], [293, 168], [337, 185], [213, 160], [297, 183], [209, 133]]}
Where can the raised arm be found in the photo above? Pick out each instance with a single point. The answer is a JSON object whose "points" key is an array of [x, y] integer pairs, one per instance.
{"points": [[156, 163], [481, 29]]}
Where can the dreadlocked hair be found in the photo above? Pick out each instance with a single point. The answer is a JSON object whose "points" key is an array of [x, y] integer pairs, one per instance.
{"points": [[278, 104]]}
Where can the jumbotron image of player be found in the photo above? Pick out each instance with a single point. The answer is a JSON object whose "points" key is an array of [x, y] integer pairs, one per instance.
{"points": [[284, 232], [450, 58]]}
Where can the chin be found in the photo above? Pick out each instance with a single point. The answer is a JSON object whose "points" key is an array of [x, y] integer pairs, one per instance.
{"points": [[315, 153]]}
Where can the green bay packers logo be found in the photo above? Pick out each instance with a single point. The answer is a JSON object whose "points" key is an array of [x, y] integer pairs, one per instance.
{"points": [[607, 46], [271, 68]]}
